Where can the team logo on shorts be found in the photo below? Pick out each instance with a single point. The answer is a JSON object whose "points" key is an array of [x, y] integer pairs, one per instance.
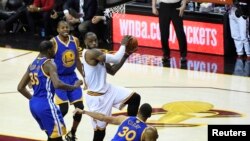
{"points": [[68, 58]]}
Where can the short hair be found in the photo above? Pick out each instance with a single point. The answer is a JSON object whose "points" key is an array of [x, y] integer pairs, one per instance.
{"points": [[45, 45], [145, 110], [62, 22], [89, 34]]}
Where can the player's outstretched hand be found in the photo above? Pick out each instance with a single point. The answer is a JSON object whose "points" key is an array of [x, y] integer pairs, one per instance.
{"points": [[126, 39], [78, 83], [85, 87], [78, 111]]}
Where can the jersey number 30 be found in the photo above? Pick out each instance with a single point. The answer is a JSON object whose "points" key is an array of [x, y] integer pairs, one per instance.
{"points": [[34, 79], [128, 134]]}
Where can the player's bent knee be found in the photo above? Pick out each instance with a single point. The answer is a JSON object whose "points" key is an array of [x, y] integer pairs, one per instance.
{"points": [[134, 99], [137, 97], [79, 105]]}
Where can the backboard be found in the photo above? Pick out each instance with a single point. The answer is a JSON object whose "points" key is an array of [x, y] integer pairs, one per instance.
{"points": [[102, 4]]}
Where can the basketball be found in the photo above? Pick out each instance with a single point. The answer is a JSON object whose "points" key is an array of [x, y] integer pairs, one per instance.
{"points": [[132, 45]]}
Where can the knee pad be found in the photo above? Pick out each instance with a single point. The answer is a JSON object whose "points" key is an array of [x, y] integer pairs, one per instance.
{"points": [[64, 107]]}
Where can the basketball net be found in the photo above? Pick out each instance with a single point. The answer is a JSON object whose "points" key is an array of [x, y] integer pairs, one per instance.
{"points": [[116, 11]]}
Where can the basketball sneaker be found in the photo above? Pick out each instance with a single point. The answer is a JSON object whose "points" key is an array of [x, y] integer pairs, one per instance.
{"points": [[70, 137]]}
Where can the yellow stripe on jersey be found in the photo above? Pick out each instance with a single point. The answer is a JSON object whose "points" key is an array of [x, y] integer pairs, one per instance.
{"points": [[55, 133], [43, 69]]}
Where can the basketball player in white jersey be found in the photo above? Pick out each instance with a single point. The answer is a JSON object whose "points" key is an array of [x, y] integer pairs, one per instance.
{"points": [[102, 96]]}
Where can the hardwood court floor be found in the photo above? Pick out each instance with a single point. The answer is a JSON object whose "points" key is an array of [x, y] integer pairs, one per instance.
{"points": [[184, 101]]}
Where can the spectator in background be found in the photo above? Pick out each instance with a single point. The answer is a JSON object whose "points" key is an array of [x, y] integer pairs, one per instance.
{"points": [[13, 11], [239, 27], [101, 27], [41, 9], [78, 13], [57, 14], [2, 4], [171, 10]]}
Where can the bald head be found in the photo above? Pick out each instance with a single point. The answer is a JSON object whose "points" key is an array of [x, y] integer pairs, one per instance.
{"points": [[91, 40], [45, 45], [46, 49]]}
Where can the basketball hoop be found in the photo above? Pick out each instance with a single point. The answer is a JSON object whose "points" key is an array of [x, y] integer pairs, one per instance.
{"points": [[113, 8], [116, 11]]}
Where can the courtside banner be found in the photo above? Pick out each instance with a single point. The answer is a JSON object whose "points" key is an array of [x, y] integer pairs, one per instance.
{"points": [[201, 37], [229, 132]]}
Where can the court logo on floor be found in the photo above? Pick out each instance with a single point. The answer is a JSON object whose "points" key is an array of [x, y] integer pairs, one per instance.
{"points": [[226, 132], [179, 113]]}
